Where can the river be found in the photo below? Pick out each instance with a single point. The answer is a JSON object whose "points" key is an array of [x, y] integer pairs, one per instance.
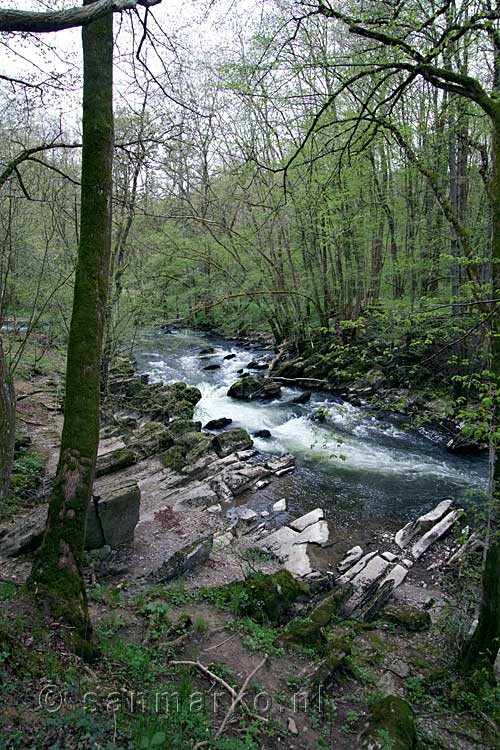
{"points": [[356, 464]]}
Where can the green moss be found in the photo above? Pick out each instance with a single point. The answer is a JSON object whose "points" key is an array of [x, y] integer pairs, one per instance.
{"points": [[309, 632], [409, 617], [391, 720], [188, 448], [265, 598], [174, 458]]}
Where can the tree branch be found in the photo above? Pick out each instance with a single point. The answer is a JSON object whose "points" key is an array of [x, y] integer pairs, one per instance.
{"points": [[41, 23]]}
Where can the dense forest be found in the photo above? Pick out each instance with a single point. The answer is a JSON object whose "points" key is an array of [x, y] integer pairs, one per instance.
{"points": [[217, 210]]}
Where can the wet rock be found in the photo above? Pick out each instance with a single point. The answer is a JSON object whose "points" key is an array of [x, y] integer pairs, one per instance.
{"points": [[281, 465], [250, 388], [230, 356], [207, 350], [461, 444], [258, 365], [240, 477], [218, 424], [214, 508], [212, 367], [116, 460], [184, 560], [304, 398], [244, 516], [316, 533], [231, 441], [262, 434], [393, 719], [179, 426], [292, 369], [389, 556]]}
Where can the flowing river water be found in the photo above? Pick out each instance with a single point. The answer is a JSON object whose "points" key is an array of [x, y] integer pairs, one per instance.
{"points": [[356, 464]]}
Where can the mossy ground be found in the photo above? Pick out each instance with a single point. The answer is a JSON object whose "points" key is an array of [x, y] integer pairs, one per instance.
{"points": [[134, 697]]}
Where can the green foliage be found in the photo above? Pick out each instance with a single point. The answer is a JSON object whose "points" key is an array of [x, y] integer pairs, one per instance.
{"points": [[7, 591], [257, 636]]}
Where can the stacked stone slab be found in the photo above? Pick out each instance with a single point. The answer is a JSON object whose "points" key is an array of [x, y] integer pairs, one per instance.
{"points": [[370, 579]]}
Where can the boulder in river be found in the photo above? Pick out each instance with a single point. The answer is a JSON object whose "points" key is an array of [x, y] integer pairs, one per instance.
{"points": [[262, 434], [303, 398], [250, 388], [212, 367], [218, 424], [207, 350], [258, 365], [231, 441], [230, 356]]}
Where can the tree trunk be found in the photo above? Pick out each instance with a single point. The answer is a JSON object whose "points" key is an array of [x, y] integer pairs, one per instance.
{"points": [[7, 426], [57, 569], [481, 650]]}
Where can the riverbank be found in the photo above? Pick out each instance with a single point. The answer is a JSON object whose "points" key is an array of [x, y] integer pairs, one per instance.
{"points": [[146, 624]]}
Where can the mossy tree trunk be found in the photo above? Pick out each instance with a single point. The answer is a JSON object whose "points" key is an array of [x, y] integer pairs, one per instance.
{"points": [[481, 650], [56, 575], [7, 425]]}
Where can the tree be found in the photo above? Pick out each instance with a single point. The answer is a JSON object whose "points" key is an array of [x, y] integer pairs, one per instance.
{"points": [[400, 52], [57, 573]]}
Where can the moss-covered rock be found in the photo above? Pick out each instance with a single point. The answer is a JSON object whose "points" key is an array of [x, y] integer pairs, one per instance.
{"points": [[188, 447], [411, 618], [391, 724], [173, 458], [115, 460], [266, 598], [250, 388], [229, 441], [309, 631], [150, 439], [337, 649]]}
